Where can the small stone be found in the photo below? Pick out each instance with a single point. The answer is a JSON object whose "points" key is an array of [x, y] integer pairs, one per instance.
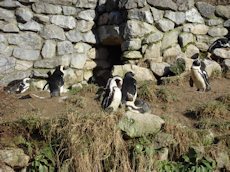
{"points": [[10, 27], [227, 23], [24, 14], [200, 29], [160, 69], [47, 63], [46, 8], [6, 15], [88, 15], [154, 37], [217, 31], [165, 25], [40, 18], [86, 4], [64, 47], [7, 64], [142, 14], [222, 53], [23, 65], [65, 59], [170, 39], [49, 49], [90, 64], [78, 61], [66, 22], [132, 55], [171, 54], [223, 11], [5, 50], [133, 44], [25, 54], [177, 17], [30, 26], [156, 48], [205, 9], [163, 4], [69, 11], [51, 31], [191, 50], [185, 38], [193, 16], [214, 22], [84, 26], [157, 14]]}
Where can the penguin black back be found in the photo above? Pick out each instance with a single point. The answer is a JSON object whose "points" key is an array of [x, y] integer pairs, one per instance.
{"points": [[219, 43]]}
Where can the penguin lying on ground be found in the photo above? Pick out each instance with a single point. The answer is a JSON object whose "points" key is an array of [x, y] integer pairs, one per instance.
{"points": [[219, 43], [129, 86], [55, 81], [112, 98], [199, 76], [18, 86]]}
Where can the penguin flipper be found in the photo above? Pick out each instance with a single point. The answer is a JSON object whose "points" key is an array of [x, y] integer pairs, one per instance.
{"points": [[191, 82]]}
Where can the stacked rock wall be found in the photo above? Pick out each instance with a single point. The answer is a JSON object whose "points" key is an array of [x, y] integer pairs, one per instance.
{"points": [[91, 36]]}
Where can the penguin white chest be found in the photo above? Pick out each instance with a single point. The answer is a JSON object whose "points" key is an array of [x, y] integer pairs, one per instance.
{"points": [[198, 79], [116, 98]]}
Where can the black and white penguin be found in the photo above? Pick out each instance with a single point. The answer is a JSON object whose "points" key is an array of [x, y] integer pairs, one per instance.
{"points": [[55, 81], [18, 86], [199, 76], [219, 43], [129, 88], [139, 106], [112, 98]]}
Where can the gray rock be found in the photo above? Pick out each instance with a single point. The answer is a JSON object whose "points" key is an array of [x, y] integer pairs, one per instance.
{"points": [[185, 38], [65, 60], [214, 22], [154, 37], [130, 4], [23, 65], [90, 65], [25, 54], [51, 31], [200, 29], [87, 75], [103, 19], [160, 69], [66, 22], [40, 18], [202, 46], [142, 14], [115, 17], [203, 38], [70, 77], [132, 55], [206, 9], [92, 53], [49, 49], [39, 84], [188, 27], [46, 8], [2, 38], [28, 40], [109, 34], [218, 31], [170, 39], [69, 11], [14, 76], [10, 27], [222, 160], [88, 15], [163, 4], [5, 50], [156, 48], [14, 157], [193, 16], [7, 64], [211, 66], [227, 23], [64, 47], [30, 26], [226, 65], [136, 124], [40, 74], [74, 35], [24, 14], [89, 37], [157, 14], [84, 26], [47, 63], [222, 53], [165, 25], [223, 11], [191, 50], [59, 2], [177, 17], [184, 5], [82, 48], [6, 15], [78, 61], [10, 4], [163, 140], [133, 44], [86, 4], [4, 168], [170, 54], [137, 29]]}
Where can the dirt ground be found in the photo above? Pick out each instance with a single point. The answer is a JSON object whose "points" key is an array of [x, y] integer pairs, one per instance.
{"points": [[13, 108]]}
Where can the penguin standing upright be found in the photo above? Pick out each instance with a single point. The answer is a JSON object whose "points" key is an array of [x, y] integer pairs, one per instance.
{"points": [[112, 98], [55, 81], [129, 88], [199, 76], [18, 86]]}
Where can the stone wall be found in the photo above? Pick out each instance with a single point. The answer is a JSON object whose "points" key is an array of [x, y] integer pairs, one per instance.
{"points": [[40, 34]]}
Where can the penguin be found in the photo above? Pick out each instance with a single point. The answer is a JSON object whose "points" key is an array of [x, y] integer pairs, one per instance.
{"points": [[219, 43], [139, 106], [112, 98], [129, 88], [18, 86], [199, 76], [55, 81]]}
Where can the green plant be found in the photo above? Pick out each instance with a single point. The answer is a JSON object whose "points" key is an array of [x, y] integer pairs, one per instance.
{"points": [[146, 91], [216, 73], [44, 161], [178, 66], [165, 95]]}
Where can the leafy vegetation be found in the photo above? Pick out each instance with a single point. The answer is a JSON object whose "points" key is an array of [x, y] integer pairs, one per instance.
{"points": [[178, 66]]}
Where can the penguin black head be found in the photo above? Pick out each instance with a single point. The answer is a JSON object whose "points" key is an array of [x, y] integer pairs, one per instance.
{"points": [[195, 56], [129, 74], [196, 63]]}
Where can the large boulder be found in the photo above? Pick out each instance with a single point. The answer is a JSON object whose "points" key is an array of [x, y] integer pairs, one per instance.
{"points": [[6, 15], [14, 157], [135, 29], [7, 64], [160, 69], [223, 11], [170, 54], [51, 31], [49, 49], [24, 14], [177, 17], [185, 38], [133, 44], [10, 4], [222, 53], [27, 40], [84, 26], [170, 39], [156, 48], [163, 4], [193, 16], [30, 26], [157, 14], [154, 37], [78, 61], [211, 66], [136, 124], [218, 31], [66, 22], [25, 54], [191, 50], [200, 29], [165, 25], [64, 47], [46, 8], [88, 15], [142, 14], [10, 27], [206, 10]]}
